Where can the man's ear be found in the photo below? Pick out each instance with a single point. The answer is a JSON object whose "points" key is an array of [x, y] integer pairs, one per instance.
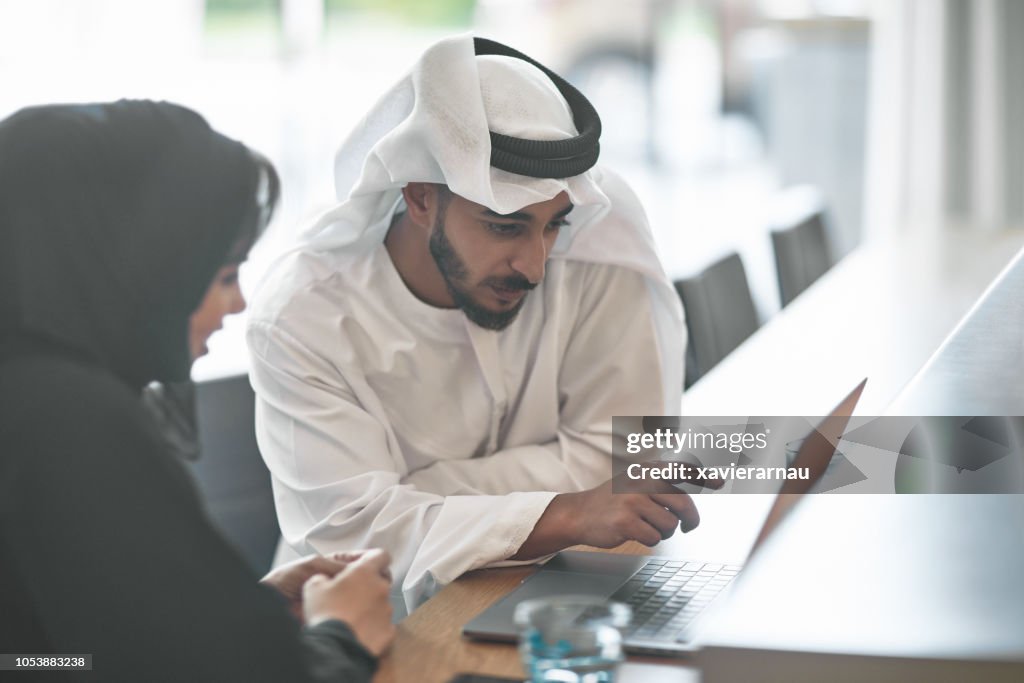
{"points": [[421, 202]]}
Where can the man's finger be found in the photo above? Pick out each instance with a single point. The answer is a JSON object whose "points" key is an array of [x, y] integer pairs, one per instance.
{"points": [[658, 517], [682, 506], [691, 473], [643, 532], [654, 474]]}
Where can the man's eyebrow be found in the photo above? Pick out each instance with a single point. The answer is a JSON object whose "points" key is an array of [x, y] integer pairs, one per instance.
{"points": [[524, 215]]}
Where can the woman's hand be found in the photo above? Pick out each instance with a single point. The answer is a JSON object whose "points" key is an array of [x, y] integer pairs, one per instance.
{"points": [[358, 596], [288, 579]]}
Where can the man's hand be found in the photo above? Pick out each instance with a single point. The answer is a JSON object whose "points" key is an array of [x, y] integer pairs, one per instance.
{"points": [[602, 518], [288, 579], [358, 596]]}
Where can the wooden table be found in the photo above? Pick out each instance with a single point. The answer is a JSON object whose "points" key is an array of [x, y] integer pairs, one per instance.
{"points": [[429, 645], [430, 648]]}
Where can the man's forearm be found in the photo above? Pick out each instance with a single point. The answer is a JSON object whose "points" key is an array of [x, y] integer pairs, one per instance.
{"points": [[555, 530]]}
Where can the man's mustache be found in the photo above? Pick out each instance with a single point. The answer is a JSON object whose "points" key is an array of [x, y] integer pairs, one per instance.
{"points": [[511, 283]]}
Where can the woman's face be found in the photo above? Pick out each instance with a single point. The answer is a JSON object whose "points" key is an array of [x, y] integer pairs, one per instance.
{"points": [[223, 298]]}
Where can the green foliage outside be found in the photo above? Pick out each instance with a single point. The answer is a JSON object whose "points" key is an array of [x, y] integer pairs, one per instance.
{"points": [[225, 14], [428, 12], [240, 17]]}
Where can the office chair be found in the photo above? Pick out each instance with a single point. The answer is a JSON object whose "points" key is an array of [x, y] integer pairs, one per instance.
{"points": [[230, 472], [719, 314], [802, 254]]}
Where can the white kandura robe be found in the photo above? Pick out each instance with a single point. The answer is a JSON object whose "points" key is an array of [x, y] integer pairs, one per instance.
{"points": [[388, 422]]}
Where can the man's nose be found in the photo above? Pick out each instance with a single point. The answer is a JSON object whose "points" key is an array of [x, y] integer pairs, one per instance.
{"points": [[530, 259]]}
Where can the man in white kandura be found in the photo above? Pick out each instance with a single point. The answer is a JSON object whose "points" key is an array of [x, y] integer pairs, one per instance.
{"points": [[438, 364]]}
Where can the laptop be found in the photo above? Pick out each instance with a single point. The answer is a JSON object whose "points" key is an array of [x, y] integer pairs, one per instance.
{"points": [[667, 595]]}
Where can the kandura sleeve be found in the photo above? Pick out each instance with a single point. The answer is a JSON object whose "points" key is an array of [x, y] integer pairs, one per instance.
{"points": [[338, 478]]}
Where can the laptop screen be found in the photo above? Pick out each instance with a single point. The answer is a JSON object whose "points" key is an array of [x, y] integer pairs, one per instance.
{"points": [[817, 450]]}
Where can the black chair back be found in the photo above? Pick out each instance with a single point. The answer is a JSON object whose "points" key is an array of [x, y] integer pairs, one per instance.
{"points": [[720, 314], [232, 477], [802, 255]]}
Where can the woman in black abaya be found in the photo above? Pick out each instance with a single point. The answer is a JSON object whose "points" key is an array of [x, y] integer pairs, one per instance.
{"points": [[116, 224]]}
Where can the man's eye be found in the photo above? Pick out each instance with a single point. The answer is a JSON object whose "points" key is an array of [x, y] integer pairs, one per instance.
{"points": [[229, 279], [555, 226], [504, 228]]}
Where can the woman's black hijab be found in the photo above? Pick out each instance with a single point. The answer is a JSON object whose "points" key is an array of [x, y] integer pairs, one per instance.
{"points": [[114, 219]]}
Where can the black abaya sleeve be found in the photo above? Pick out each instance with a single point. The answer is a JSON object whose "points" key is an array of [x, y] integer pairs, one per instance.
{"points": [[111, 553]]}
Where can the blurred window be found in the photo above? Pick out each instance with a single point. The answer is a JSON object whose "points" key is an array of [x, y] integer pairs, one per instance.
{"points": [[417, 12], [241, 28]]}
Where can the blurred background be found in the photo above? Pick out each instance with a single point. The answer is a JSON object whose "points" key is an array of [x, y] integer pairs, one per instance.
{"points": [[725, 115]]}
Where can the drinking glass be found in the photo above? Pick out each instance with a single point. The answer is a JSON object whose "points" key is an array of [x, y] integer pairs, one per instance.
{"points": [[571, 639]]}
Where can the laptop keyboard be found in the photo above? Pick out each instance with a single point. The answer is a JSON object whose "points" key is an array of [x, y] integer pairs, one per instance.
{"points": [[667, 595]]}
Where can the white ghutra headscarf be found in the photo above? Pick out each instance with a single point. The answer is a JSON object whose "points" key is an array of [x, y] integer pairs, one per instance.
{"points": [[435, 126]]}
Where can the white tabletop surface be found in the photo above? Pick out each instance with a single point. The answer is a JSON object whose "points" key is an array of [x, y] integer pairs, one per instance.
{"points": [[879, 313], [979, 369]]}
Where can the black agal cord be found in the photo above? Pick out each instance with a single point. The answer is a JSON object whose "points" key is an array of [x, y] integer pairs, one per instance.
{"points": [[547, 158]]}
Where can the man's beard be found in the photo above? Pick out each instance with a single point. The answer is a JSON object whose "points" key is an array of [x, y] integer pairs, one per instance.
{"points": [[453, 270]]}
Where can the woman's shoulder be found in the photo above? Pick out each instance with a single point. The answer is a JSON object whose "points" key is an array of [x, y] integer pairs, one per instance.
{"points": [[54, 377], [55, 399]]}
